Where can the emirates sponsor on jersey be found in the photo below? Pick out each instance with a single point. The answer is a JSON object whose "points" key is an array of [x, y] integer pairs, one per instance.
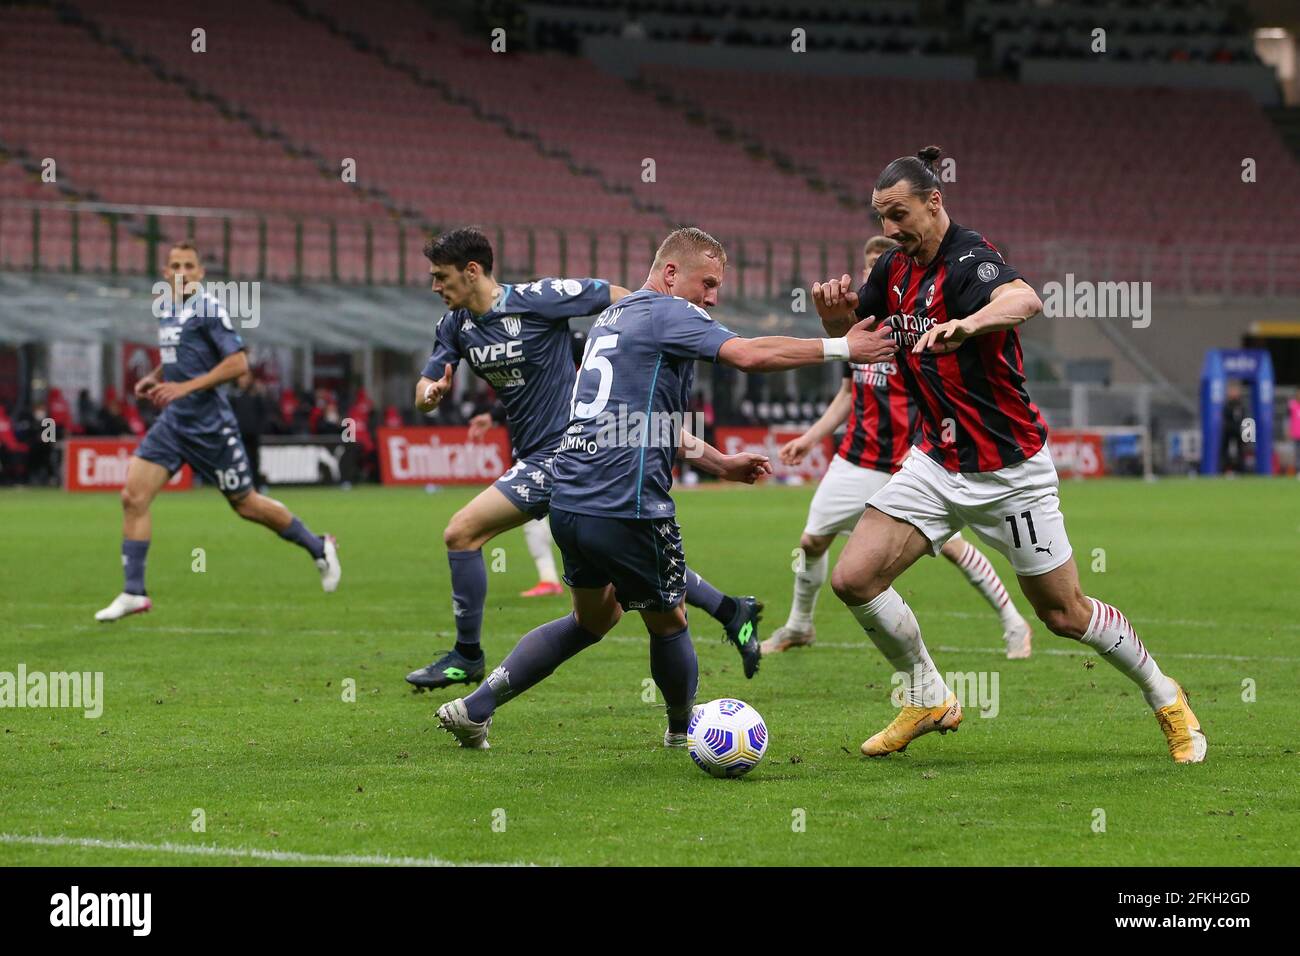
{"points": [[909, 328], [441, 455]]}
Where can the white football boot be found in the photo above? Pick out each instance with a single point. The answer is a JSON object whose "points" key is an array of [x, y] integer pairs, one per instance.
{"points": [[123, 605], [679, 740], [329, 567], [1019, 640], [454, 719], [784, 638]]}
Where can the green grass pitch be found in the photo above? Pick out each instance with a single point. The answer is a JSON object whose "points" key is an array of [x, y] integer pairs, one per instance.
{"points": [[228, 698]]}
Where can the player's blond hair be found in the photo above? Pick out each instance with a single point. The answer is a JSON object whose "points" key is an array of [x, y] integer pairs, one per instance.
{"points": [[686, 245], [189, 245], [877, 244]]}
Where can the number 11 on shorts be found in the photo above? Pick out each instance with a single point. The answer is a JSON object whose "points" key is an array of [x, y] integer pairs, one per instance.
{"points": [[1015, 529]]}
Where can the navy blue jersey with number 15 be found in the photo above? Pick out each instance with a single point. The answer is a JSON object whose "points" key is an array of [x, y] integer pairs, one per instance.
{"points": [[616, 458]]}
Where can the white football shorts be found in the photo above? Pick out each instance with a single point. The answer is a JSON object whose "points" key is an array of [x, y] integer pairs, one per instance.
{"points": [[842, 496], [1016, 510]]}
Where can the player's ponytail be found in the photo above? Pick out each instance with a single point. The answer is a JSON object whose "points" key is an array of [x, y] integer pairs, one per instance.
{"points": [[918, 170]]}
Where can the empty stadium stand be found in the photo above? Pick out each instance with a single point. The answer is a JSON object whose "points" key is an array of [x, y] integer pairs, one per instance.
{"points": [[574, 170]]}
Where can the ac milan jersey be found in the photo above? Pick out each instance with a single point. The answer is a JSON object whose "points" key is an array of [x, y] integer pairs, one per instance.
{"points": [[882, 420], [974, 410]]}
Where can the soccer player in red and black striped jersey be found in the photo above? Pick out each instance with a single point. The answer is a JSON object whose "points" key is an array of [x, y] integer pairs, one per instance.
{"points": [[882, 420], [981, 459]]}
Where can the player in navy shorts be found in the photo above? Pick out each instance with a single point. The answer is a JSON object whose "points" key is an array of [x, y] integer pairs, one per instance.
{"points": [[611, 513], [516, 338], [200, 350]]}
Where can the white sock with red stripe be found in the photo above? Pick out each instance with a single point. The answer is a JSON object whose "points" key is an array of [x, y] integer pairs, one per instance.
{"points": [[538, 536], [892, 627], [979, 571], [807, 584], [1113, 637]]}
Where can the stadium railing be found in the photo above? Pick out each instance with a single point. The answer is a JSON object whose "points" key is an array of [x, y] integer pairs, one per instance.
{"points": [[113, 239], [121, 239]]}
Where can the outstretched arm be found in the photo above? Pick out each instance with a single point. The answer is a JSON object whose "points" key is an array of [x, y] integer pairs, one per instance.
{"points": [[777, 353], [745, 467]]}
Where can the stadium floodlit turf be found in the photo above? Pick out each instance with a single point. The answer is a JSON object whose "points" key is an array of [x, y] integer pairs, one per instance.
{"points": [[227, 698]]}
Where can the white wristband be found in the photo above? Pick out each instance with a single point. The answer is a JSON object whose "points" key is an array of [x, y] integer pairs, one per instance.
{"points": [[835, 350]]}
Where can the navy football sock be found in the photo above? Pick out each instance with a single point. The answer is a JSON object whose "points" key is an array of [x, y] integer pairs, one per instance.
{"points": [[534, 659], [675, 670], [468, 593], [133, 559], [297, 533], [471, 652], [728, 608], [700, 593]]}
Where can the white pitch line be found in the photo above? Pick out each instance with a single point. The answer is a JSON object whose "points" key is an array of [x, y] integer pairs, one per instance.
{"points": [[276, 856]]}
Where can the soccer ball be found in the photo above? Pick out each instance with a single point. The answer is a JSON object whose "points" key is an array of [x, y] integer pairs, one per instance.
{"points": [[726, 737]]}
